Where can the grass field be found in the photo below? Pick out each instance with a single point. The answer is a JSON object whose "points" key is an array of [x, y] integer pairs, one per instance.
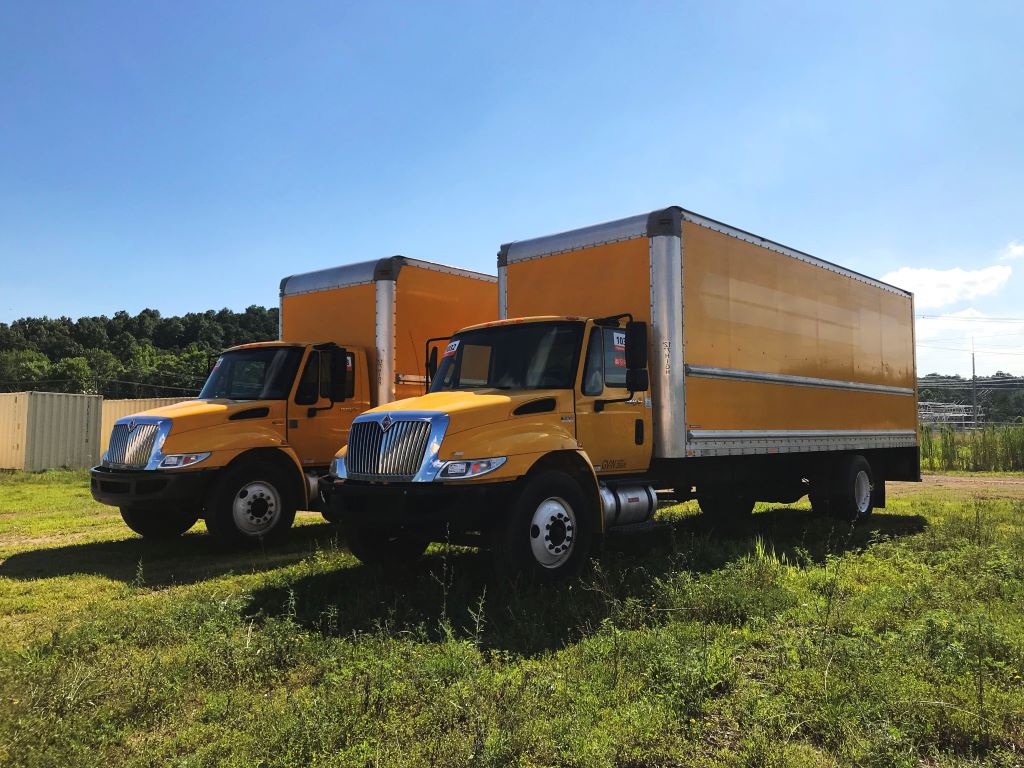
{"points": [[787, 641]]}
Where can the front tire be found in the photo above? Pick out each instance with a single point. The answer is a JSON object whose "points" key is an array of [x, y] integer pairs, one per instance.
{"points": [[158, 524], [252, 503], [547, 534]]}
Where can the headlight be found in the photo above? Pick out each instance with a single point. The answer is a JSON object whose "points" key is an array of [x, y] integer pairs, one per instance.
{"points": [[462, 469], [177, 460], [338, 468]]}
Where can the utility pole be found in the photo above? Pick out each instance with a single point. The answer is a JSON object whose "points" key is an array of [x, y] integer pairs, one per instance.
{"points": [[974, 388]]}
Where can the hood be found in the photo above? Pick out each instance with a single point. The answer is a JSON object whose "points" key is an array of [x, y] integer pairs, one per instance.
{"points": [[197, 414], [468, 409]]}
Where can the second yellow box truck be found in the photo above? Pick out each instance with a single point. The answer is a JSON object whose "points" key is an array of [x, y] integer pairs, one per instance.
{"points": [[665, 354], [249, 451]]}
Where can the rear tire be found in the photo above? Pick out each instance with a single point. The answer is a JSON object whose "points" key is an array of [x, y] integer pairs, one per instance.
{"points": [[252, 503], [157, 523], [548, 532], [851, 500], [379, 546], [726, 507]]}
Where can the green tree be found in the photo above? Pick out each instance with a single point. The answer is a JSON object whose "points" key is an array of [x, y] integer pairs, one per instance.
{"points": [[107, 369], [72, 374], [23, 369]]}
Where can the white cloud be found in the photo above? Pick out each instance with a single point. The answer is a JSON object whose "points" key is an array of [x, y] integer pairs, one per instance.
{"points": [[944, 343], [935, 288], [1013, 250]]}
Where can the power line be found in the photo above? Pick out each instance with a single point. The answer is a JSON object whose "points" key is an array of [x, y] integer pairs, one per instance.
{"points": [[972, 319]]}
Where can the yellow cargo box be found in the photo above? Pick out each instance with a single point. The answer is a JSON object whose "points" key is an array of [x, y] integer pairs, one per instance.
{"points": [[755, 347]]}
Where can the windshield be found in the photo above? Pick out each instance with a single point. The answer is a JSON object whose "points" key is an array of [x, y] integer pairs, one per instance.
{"points": [[523, 356], [262, 373]]}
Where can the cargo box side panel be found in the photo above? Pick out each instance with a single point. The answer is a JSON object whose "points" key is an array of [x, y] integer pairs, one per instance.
{"points": [[783, 353], [430, 303], [342, 315], [602, 280]]}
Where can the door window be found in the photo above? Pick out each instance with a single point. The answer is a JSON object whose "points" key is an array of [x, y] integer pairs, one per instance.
{"points": [[606, 361], [308, 391]]}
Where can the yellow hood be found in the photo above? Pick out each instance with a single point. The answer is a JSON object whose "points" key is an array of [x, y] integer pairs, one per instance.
{"points": [[197, 414], [471, 409]]}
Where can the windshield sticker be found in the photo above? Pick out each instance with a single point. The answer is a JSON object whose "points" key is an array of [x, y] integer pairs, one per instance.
{"points": [[451, 349]]}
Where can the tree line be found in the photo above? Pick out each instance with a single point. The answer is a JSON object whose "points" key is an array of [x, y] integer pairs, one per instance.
{"points": [[1000, 396], [143, 355]]}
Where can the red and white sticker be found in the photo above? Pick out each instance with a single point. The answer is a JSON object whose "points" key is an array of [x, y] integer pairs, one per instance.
{"points": [[451, 349], [348, 363], [619, 341]]}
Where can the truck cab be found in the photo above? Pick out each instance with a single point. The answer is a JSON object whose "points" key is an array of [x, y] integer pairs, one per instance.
{"points": [[527, 425], [265, 425]]}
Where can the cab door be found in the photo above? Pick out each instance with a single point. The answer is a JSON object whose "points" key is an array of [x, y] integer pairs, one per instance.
{"points": [[616, 436], [318, 428]]}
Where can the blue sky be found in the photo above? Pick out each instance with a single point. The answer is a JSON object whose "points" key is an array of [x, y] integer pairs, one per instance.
{"points": [[186, 156]]}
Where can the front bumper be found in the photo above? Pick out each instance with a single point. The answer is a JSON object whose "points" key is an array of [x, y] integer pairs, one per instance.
{"points": [[431, 506], [149, 488]]}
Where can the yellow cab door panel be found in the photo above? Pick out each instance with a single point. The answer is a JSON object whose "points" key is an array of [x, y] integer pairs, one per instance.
{"points": [[618, 438], [317, 429]]}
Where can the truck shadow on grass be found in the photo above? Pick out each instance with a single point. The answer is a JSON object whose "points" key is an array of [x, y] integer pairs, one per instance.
{"points": [[189, 559], [451, 593]]}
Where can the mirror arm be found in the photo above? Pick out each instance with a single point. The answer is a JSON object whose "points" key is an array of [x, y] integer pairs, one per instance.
{"points": [[314, 410], [426, 358], [600, 404]]}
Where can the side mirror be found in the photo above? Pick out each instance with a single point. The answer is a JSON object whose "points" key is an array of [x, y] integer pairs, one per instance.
{"points": [[432, 364], [637, 380], [636, 345], [343, 383]]}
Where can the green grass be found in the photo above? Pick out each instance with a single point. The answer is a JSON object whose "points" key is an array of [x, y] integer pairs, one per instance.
{"points": [[990, 449], [785, 641]]}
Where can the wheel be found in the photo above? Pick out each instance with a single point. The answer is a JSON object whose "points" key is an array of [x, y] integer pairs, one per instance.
{"points": [[548, 532], [723, 506], [380, 546], [158, 523], [851, 498], [253, 502]]}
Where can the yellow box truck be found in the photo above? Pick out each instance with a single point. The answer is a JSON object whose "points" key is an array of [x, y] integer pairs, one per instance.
{"points": [[665, 354], [249, 451]]}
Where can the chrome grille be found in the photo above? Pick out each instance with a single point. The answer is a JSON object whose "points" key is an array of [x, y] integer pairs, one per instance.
{"points": [[131, 447], [392, 454]]}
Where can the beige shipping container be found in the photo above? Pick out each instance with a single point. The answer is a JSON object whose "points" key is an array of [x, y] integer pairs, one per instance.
{"points": [[118, 409], [44, 430], [13, 420]]}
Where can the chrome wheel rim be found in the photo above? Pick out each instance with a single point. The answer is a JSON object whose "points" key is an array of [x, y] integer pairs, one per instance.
{"points": [[256, 508], [553, 532], [862, 492]]}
